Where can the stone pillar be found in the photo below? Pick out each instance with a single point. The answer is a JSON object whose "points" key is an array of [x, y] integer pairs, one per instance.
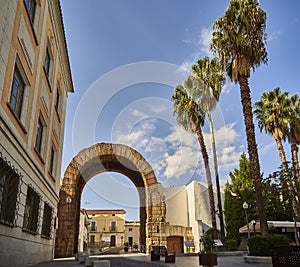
{"points": [[156, 221], [67, 214]]}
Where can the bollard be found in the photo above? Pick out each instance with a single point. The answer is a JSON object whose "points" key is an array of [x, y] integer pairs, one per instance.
{"points": [[88, 262], [81, 258], [101, 263]]}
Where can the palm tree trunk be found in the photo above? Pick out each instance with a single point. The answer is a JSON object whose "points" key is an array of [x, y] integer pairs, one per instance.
{"points": [[209, 181], [289, 183], [295, 160], [213, 143], [252, 150], [294, 150]]}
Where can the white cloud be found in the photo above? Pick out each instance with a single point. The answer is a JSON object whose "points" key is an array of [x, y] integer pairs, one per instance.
{"points": [[264, 149], [137, 113], [229, 158], [180, 136], [204, 41], [273, 36], [202, 48], [226, 135], [177, 154], [182, 163]]}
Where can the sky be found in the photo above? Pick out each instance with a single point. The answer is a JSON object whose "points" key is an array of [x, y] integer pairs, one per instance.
{"points": [[126, 57]]}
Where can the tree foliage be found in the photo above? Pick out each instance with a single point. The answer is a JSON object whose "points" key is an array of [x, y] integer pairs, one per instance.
{"points": [[240, 189]]}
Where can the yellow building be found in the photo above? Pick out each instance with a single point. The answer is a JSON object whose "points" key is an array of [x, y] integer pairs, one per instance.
{"points": [[35, 79], [106, 229], [132, 234]]}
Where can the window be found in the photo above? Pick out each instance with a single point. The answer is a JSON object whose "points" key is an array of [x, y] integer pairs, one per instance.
{"points": [[39, 135], [92, 239], [130, 229], [47, 218], [113, 226], [31, 213], [47, 63], [31, 7], [9, 189], [57, 101], [17, 92], [52, 161], [93, 226]]}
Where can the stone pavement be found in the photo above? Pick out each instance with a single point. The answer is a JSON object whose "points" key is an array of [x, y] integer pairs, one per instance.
{"points": [[142, 260]]}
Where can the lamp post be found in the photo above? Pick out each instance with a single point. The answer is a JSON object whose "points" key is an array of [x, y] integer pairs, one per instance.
{"points": [[245, 207]]}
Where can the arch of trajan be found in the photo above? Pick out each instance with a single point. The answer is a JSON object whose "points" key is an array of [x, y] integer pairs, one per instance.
{"points": [[107, 157]]}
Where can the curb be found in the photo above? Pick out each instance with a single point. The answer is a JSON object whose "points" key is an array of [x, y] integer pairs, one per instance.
{"points": [[258, 259]]}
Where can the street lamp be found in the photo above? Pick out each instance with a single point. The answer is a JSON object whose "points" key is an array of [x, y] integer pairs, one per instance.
{"points": [[245, 207]]}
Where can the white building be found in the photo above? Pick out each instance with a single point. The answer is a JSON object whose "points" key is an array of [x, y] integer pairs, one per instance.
{"points": [[83, 236], [188, 206]]}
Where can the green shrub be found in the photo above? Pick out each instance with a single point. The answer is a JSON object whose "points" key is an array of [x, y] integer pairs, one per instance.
{"points": [[208, 241], [232, 244], [265, 245]]}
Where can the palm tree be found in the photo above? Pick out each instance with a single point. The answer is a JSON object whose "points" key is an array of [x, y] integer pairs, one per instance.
{"points": [[294, 137], [272, 113], [239, 40], [209, 72], [191, 117]]}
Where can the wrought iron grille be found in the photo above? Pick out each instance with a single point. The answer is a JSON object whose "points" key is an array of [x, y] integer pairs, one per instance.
{"points": [[10, 182], [31, 213], [47, 221]]}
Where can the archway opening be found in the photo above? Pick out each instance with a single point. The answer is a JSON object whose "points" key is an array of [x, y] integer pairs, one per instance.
{"points": [[110, 198]]}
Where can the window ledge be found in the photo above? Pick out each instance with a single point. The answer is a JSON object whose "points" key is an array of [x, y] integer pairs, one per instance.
{"points": [[51, 175], [47, 78], [17, 118], [29, 231], [46, 237], [58, 116], [40, 156], [7, 223]]}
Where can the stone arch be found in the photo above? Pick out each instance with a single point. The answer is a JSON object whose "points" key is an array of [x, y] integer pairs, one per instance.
{"points": [[103, 157]]}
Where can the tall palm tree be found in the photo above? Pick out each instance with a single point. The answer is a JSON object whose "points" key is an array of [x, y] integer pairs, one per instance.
{"points": [[239, 39], [294, 137], [209, 72], [191, 117], [273, 113]]}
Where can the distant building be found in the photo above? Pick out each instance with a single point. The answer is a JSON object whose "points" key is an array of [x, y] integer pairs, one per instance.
{"points": [[106, 229], [35, 79], [132, 234], [83, 236]]}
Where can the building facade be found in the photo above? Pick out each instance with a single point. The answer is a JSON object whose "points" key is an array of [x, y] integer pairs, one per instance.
{"points": [[132, 234], [35, 79], [106, 229], [83, 236], [188, 206]]}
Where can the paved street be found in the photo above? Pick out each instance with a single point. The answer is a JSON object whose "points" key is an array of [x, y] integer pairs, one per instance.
{"points": [[141, 260]]}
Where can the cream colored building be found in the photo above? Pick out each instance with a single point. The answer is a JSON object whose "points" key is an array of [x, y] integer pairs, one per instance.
{"points": [[83, 236], [35, 79], [106, 229], [188, 206], [132, 234]]}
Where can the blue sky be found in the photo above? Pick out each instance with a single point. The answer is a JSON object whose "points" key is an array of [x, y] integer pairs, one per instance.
{"points": [[126, 57]]}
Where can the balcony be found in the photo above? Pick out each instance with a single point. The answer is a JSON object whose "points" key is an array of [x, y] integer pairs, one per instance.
{"points": [[113, 229], [93, 228]]}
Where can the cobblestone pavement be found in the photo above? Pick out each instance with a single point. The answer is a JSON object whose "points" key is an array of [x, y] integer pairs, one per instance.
{"points": [[141, 260]]}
